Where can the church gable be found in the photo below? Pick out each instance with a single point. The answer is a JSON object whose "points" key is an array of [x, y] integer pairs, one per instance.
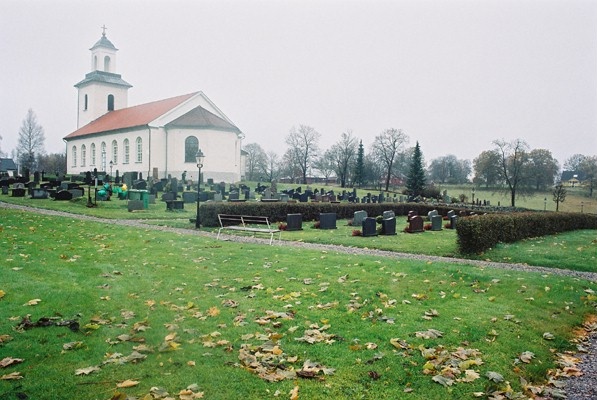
{"points": [[199, 117]]}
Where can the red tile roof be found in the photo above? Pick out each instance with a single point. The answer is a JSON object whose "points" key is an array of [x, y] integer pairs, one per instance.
{"points": [[130, 117]]}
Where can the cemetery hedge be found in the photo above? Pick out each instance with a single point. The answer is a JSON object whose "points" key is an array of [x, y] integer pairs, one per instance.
{"points": [[476, 234], [310, 211]]}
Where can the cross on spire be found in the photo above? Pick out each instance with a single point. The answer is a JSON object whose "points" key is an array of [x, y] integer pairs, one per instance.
{"points": [[104, 30]]}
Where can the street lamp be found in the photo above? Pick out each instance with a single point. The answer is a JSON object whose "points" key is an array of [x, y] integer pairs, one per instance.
{"points": [[199, 158], [111, 165], [473, 195], [545, 204]]}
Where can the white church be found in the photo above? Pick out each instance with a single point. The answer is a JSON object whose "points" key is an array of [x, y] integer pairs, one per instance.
{"points": [[156, 139]]}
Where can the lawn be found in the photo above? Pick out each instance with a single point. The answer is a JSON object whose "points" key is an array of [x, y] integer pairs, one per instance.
{"points": [[158, 312]]}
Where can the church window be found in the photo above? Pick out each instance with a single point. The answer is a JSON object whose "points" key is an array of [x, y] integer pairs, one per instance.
{"points": [[191, 145], [83, 155], [74, 156], [86, 103], [139, 150], [92, 154], [110, 102], [103, 155], [94, 63], [126, 151], [114, 151], [107, 63]]}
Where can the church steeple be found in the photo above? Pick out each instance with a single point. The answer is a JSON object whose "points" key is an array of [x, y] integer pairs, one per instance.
{"points": [[102, 90]]}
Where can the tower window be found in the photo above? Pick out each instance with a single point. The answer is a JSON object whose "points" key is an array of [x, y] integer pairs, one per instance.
{"points": [[107, 64], [110, 102], [86, 103]]}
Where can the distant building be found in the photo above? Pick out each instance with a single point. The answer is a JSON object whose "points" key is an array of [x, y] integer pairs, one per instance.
{"points": [[7, 165], [157, 139], [572, 178]]}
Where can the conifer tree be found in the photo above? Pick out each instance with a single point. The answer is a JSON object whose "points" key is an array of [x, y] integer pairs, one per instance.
{"points": [[359, 171], [415, 180]]}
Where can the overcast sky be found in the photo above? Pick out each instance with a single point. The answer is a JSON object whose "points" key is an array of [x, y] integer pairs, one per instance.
{"points": [[453, 74]]}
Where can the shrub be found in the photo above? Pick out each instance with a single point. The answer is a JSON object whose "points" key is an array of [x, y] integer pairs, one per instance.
{"points": [[282, 226], [427, 227], [357, 232], [317, 225]]}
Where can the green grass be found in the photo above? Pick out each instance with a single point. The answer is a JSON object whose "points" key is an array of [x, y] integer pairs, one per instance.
{"points": [[215, 297]]}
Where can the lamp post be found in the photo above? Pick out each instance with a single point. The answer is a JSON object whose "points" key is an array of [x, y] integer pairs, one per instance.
{"points": [[111, 165], [199, 158], [544, 203], [473, 195]]}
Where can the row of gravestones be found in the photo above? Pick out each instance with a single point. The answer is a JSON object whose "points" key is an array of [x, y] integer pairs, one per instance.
{"points": [[66, 191]]}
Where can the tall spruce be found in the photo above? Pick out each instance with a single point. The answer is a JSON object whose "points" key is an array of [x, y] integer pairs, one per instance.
{"points": [[359, 170], [415, 180]]}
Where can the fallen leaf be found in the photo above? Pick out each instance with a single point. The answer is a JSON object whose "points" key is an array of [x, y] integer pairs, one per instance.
{"points": [[11, 376], [2, 293], [126, 384], [33, 302], [294, 393], [86, 371], [5, 362]]}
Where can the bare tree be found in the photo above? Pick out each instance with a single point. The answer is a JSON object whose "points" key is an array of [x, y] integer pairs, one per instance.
{"points": [[271, 168], [342, 155], [574, 162], [559, 195], [325, 165], [31, 141], [256, 158], [52, 163], [303, 147], [513, 158], [386, 147], [449, 169]]}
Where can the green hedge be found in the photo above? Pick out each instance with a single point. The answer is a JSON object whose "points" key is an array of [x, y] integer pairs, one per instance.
{"points": [[277, 211], [479, 233]]}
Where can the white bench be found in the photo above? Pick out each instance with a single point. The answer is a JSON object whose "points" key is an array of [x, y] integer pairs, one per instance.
{"points": [[246, 223]]}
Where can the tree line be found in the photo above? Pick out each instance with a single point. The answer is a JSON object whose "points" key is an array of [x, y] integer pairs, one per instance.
{"points": [[511, 166]]}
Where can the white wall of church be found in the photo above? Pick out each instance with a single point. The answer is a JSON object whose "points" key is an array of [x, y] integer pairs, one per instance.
{"points": [[97, 101], [167, 154]]}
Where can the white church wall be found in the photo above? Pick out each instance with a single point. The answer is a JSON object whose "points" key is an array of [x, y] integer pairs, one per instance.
{"points": [[97, 102]]}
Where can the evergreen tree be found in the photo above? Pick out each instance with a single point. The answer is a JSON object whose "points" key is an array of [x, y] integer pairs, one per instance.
{"points": [[359, 171], [415, 180]]}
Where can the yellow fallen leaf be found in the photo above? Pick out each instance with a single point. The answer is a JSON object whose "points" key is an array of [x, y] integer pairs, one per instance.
{"points": [[128, 383], [11, 376], [294, 393], [33, 302], [191, 363], [2, 293]]}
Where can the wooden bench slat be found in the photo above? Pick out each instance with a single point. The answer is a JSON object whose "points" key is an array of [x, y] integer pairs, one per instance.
{"points": [[240, 222]]}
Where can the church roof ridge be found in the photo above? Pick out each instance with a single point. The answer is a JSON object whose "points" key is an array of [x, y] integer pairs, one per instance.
{"points": [[104, 42], [131, 117], [104, 77]]}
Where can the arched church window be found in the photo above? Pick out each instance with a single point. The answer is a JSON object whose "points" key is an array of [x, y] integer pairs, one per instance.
{"points": [[126, 151], [103, 155], [110, 102], [86, 103], [94, 63], [92, 154], [191, 145], [139, 146], [83, 155], [107, 64], [74, 155], [114, 151]]}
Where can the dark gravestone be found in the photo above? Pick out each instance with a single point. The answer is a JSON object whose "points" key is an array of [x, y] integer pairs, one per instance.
{"points": [[453, 220], [63, 195], [135, 205], [38, 193], [327, 221], [388, 214], [436, 222], [77, 192], [140, 185], [189, 197], [203, 197], [304, 197], [388, 226], [4, 189], [369, 227], [415, 224], [158, 186], [451, 213], [410, 215], [294, 222], [233, 196], [168, 196], [18, 192], [172, 205]]}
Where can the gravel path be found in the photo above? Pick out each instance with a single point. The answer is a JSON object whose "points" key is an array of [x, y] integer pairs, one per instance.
{"points": [[578, 388]]}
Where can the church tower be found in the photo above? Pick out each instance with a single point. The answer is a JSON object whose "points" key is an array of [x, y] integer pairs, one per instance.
{"points": [[102, 90]]}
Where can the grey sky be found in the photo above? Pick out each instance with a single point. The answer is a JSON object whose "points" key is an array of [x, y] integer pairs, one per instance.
{"points": [[453, 74]]}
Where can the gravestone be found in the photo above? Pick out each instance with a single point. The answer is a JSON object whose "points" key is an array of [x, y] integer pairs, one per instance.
{"points": [[218, 197], [410, 215], [359, 217], [18, 192], [453, 220], [168, 196], [431, 214], [369, 227], [77, 192], [388, 214], [4, 189], [189, 197], [283, 197], [267, 194], [304, 197], [63, 195], [415, 224], [451, 213], [294, 222], [436, 222], [151, 198], [38, 193], [135, 205], [233, 196], [388, 226], [140, 185], [327, 221]]}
